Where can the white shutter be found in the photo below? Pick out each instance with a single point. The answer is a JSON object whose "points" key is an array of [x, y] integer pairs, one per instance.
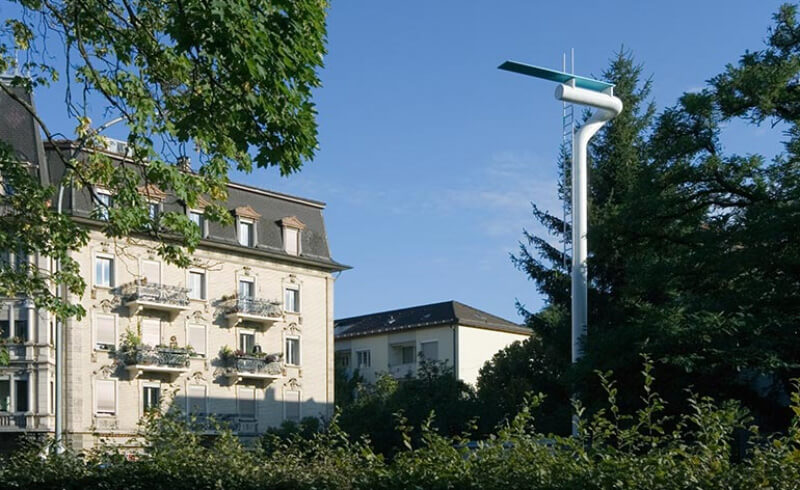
{"points": [[151, 271], [197, 338], [247, 402], [290, 236], [197, 285], [151, 332], [197, 399], [105, 333], [106, 396], [292, 401]]}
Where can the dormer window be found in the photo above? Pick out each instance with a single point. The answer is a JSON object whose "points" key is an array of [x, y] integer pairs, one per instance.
{"points": [[292, 231], [246, 219], [155, 197], [198, 218], [103, 203], [246, 232]]}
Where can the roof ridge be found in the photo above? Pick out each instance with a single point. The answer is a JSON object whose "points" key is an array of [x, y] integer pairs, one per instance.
{"points": [[397, 310]]}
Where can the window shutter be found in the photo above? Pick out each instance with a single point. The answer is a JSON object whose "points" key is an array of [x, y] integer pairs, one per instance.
{"points": [[292, 401], [105, 391], [104, 330], [197, 338], [151, 332], [247, 402], [151, 271], [197, 399]]}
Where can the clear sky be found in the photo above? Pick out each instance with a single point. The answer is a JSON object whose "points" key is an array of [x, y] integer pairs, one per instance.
{"points": [[430, 157]]}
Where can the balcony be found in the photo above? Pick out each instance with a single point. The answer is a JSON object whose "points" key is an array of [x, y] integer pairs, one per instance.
{"points": [[403, 370], [141, 360], [12, 421], [139, 295], [242, 367], [253, 310]]}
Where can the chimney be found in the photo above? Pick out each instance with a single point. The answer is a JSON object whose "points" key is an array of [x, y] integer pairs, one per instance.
{"points": [[184, 164]]}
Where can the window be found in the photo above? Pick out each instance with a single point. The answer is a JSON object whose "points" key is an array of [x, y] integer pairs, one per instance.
{"points": [[5, 321], [342, 359], [151, 271], [21, 394], [197, 338], [14, 322], [153, 209], [430, 350], [247, 402], [197, 285], [105, 396], [5, 395], [291, 400], [291, 240], [247, 289], [52, 397], [21, 323], [151, 396], [196, 401], [291, 300], [246, 342], [102, 205], [407, 354], [363, 359], [293, 351], [246, 228], [104, 272], [151, 331], [199, 219], [105, 332]]}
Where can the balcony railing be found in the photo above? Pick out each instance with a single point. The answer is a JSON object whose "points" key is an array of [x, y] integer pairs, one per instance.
{"points": [[144, 359], [255, 310], [12, 421], [403, 370], [244, 367], [138, 295]]}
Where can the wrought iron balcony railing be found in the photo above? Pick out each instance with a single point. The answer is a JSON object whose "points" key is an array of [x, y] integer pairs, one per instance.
{"points": [[155, 293], [156, 359], [256, 307]]}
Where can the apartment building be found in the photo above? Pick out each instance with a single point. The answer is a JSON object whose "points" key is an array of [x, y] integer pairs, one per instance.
{"points": [[244, 335], [395, 341]]}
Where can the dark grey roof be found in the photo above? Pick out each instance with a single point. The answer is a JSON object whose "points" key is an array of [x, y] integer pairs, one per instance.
{"points": [[19, 129], [272, 206], [436, 314]]}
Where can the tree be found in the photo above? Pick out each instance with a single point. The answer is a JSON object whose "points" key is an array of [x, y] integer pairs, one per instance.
{"points": [[229, 78], [693, 252]]}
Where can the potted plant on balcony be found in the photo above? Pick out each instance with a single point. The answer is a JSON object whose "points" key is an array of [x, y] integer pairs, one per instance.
{"points": [[130, 347]]}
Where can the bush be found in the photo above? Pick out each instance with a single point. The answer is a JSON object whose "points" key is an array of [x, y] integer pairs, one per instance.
{"points": [[640, 450]]}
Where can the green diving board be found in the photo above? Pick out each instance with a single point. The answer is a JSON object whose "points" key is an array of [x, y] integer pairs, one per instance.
{"points": [[555, 76]]}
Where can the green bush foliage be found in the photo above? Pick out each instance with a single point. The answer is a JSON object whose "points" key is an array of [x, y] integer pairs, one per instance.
{"points": [[614, 449]]}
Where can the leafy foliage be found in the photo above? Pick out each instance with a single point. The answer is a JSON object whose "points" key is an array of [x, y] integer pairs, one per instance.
{"points": [[614, 449], [231, 79]]}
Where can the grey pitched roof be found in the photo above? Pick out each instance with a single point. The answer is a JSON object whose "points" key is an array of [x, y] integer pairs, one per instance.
{"points": [[436, 314]]}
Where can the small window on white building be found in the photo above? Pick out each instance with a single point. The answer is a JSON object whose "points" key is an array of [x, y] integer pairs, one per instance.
{"points": [[246, 232], [407, 354], [5, 395], [21, 324], [293, 351], [291, 400], [247, 289], [21, 394], [342, 359], [363, 359], [197, 285], [104, 272], [291, 240], [199, 219], [151, 331], [105, 391], [103, 204], [430, 350], [246, 342], [105, 332], [197, 338], [247, 402], [291, 300], [151, 397], [153, 210]]}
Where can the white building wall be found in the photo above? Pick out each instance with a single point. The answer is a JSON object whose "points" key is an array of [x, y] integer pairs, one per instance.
{"points": [[85, 364], [476, 346]]}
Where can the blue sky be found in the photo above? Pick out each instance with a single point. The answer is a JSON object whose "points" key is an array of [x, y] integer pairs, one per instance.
{"points": [[430, 157]]}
